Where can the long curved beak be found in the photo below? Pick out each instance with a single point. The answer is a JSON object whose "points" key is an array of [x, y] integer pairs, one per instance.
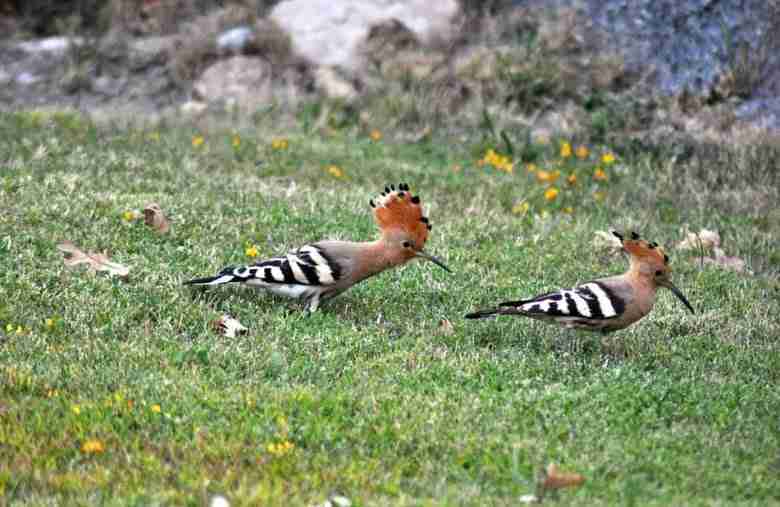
{"points": [[433, 259], [677, 292]]}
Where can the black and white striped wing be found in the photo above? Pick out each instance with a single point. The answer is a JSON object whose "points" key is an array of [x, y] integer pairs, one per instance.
{"points": [[307, 266], [590, 301]]}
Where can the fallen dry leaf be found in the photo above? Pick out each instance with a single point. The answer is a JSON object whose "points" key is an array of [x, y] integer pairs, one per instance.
{"points": [[445, 327], [228, 326], [555, 479], [723, 260], [605, 239], [704, 239], [96, 261], [155, 218]]}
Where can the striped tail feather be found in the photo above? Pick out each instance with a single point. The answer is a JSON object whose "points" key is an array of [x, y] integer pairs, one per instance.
{"points": [[483, 314], [224, 276]]}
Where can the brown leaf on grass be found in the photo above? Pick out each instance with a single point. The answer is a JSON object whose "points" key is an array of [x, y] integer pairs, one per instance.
{"points": [[155, 218], [228, 326], [704, 239], [96, 261], [723, 260], [607, 240], [445, 327], [555, 479], [709, 241]]}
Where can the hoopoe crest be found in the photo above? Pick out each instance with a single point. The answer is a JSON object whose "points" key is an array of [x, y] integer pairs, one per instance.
{"points": [[324, 269], [605, 304]]}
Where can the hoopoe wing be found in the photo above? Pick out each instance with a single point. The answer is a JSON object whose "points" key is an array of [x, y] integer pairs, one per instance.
{"points": [[593, 300], [592, 304], [308, 266]]}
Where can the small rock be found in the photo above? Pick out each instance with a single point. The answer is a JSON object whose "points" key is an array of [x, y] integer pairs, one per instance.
{"points": [[48, 45], [106, 86], [236, 39], [331, 33], [341, 501], [417, 64], [334, 85], [193, 108], [27, 78], [245, 79], [219, 501]]}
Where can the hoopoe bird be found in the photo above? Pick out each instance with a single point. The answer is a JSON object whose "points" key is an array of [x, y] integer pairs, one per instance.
{"points": [[320, 271], [605, 304]]}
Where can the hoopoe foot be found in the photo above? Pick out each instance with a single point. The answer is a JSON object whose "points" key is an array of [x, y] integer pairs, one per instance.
{"points": [[312, 303]]}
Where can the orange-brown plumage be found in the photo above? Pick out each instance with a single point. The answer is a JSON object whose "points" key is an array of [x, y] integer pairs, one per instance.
{"points": [[399, 210], [322, 270], [605, 304]]}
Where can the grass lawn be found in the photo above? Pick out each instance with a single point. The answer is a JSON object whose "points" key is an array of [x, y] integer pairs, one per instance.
{"points": [[120, 392]]}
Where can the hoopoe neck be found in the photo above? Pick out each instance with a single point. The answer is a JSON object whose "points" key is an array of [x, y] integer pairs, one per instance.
{"points": [[639, 276], [375, 257], [644, 287]]}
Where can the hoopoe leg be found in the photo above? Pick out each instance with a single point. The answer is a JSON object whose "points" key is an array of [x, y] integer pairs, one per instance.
{"points": [[312, 303]]}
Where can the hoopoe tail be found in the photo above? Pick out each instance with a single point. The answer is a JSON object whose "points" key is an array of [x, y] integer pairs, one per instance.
{"points": [[483, 314], [505, 308]]}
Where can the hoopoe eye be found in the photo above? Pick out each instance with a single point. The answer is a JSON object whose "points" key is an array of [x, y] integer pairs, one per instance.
{"points": [[659, 273], [406, 244]]}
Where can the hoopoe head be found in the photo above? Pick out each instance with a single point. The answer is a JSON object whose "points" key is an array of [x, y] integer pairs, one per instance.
{"points": [[650, 262], [399, 216]]}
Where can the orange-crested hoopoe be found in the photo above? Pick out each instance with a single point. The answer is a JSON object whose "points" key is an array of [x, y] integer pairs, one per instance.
{"points": [[322, 270], [606, 304]]}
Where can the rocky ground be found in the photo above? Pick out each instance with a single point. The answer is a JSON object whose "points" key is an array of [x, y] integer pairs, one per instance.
{"points": [[715, 61]]}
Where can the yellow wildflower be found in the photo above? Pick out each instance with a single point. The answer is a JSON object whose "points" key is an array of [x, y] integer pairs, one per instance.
{"points": [[565, 150], [582, 152], [19, 330], [551, 193], [251, 251], [376, 135], [279, 143], [568, 210], [197, 141], [92, 447], [9, 328], [75, 409], [543, 176], [547, 176], [236, 142], [498, 161], [128, 215], [572, 179], [521, 208], [335, 171], [530, 167], [281, 448], [154, 136], [156, 408], [542, 139], [599, 174], [49, 323], [51, 393], [608, 158]]}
